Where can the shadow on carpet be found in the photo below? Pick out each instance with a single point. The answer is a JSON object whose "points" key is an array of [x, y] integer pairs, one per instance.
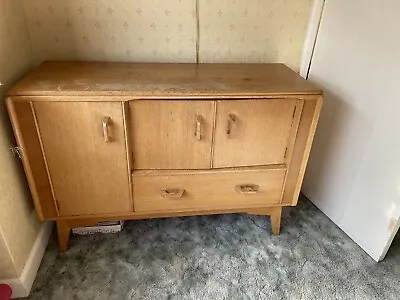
{"points": [[219, 257]]}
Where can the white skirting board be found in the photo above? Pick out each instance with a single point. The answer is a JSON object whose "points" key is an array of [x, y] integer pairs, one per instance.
{"points": [[22, 285]]}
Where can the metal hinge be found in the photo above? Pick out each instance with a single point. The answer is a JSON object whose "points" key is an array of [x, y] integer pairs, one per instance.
{"points": [[16, 151]]}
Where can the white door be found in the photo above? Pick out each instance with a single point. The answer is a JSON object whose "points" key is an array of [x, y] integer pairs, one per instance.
{"points": [[353, 174]]}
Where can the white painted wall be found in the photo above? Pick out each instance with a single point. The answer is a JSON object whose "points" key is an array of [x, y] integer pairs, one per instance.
{"points": [[353, 174]]}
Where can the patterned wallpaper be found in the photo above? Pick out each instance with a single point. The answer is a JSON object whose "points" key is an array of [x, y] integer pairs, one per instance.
{"points": [[168, 30], [114, 30], [253, 30], [19, 225]]}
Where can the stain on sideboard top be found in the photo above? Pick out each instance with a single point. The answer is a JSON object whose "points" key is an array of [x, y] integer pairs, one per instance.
{"points": [[161, 80]]}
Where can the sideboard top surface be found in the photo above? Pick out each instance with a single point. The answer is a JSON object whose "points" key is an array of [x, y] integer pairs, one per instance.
{"points": [[162, 81]]}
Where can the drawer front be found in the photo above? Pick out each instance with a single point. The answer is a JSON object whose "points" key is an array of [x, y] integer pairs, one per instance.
{"points": [[180, 191]]}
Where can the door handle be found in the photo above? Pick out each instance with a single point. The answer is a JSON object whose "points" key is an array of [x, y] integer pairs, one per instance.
{"points": [[247, 188], [197, 132], [232, 125], [172, 193], [106, 124]]}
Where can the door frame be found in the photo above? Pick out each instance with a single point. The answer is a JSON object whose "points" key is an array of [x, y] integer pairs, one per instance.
{"points": [[311, 37]]}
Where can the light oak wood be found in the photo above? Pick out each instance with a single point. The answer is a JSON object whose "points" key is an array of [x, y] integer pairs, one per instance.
{"points": [[301, 150], [138, 173], [275, 214], [164, 214], [211, 190], [128, 146], [255, 132], [63, 233], [44, 157], [276, 218], [156, 81], [88, 174], [165, 134], [89, 221], [293, 131], [124, 98], [180, 140], [23, 123]]}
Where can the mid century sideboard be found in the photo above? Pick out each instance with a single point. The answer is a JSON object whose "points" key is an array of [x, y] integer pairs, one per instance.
{"points": [[112, 141]]}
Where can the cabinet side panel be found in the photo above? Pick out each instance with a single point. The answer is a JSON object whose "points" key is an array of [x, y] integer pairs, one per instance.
{"points": [[301, 150], [128, 146], [23, 124]]}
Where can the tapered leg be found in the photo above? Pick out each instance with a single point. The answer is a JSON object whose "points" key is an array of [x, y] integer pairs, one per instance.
{"points": [[63, 232], [275, 217]]}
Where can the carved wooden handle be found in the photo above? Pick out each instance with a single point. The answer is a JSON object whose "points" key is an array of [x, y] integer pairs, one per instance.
{"points": [[247, 188], [106, 124], [172, 193], [197, 132], [232, 124]]}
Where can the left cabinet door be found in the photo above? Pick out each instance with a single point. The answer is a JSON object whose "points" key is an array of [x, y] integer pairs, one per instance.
{"points": [[85, 150]]}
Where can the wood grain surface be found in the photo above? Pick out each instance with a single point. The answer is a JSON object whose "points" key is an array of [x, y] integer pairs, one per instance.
{"points": [[88, 174], [301, 150], [208, 190], [152, 80], [259, 136], [23, 122], [164, 134], [105, 141]]}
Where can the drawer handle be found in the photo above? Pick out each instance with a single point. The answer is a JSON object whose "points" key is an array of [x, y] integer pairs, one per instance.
{"points": [[172, 193], [232, 124], [247, 188], [106, 124], [197, 132]]}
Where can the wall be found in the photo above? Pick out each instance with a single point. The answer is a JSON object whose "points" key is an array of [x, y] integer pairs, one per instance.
{"points": [[353, 174], [169, 30], [18, 223], [7, 269]]}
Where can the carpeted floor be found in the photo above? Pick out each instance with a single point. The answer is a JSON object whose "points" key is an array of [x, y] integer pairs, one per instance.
{"points": [[219, 257]]}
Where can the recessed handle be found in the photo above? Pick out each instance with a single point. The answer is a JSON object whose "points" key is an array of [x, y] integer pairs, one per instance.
{"points": [[197, 132], [232, 125], [106, 125], [172, 193], [247, 188]]}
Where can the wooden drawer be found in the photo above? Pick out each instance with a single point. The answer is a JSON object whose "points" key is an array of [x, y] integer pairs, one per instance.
{"points": [[185, 190]]}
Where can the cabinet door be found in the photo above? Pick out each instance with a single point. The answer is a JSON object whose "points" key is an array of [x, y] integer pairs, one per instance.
{"points": [[84, 146], [254, 132], [172, 134]]}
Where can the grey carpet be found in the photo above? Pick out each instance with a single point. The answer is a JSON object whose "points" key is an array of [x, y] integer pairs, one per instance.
{"points": [[219, 257]]}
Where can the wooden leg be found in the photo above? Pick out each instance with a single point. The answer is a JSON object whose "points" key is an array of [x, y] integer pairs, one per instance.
{"points": [[276, 220], [63, 232], [275, 216]]}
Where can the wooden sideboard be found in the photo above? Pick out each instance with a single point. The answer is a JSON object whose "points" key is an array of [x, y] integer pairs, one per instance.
{"points": [[108, 141]]}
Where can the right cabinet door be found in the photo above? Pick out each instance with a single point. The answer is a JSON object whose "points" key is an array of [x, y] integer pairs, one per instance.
{"points": [[255, 132]]}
